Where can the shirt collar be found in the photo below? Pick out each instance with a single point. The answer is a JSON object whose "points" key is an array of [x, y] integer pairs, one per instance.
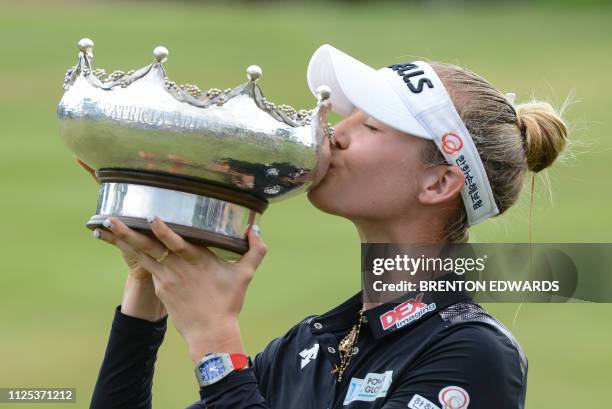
{"points": [[403, 312]]}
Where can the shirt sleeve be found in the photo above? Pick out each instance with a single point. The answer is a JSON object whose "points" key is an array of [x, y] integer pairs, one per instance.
{"points": [[241, 389], [474, 366], [238, 390], [125, 379]]}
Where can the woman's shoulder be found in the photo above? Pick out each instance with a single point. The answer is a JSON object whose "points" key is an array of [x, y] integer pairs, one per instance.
{"points": [[471, 325], [471, 352]]}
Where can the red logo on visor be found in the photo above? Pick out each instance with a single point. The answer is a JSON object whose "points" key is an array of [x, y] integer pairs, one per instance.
{"points": [[451, 143]]}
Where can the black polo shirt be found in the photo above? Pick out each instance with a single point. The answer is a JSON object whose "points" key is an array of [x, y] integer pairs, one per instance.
{"points": [[424, 351]]}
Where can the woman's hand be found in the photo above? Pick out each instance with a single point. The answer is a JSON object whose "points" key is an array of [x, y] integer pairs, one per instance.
{"points": [[139, 299], [127, 251], [203, 293]]}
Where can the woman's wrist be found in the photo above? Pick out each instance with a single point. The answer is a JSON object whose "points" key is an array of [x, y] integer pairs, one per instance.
{"points": [[140, 300], [220, 337]]}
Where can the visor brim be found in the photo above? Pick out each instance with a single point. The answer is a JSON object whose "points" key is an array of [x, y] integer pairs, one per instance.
{"points": [[355, 84]]}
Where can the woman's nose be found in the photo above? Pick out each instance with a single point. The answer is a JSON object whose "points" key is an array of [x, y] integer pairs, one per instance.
{"points": [[341, 135]]}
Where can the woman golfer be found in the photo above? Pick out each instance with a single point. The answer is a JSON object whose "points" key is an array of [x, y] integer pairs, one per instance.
{"points": [[424, 151]]}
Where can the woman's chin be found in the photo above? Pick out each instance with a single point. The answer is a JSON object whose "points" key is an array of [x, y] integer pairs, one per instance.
{"points": [[322, 200], [316, 196]]}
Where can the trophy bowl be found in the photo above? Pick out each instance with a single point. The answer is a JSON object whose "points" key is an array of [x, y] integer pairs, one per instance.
{"points": [[207, 162]]}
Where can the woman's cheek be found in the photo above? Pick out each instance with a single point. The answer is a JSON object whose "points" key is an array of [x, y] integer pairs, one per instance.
{"points": [[371, 166]]}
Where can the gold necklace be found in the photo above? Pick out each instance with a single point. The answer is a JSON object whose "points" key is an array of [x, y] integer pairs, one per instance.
{"points": [[346, 347]]}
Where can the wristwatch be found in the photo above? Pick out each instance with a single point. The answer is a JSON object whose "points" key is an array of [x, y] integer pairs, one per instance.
{"points": [[216, 366]]}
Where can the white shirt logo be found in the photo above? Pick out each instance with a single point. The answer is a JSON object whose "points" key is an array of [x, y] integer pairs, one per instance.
{"points": [[368, 389], [420, 402], [308, 354]]}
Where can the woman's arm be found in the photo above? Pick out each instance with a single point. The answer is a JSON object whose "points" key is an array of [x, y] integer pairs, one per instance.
{"points": [[474, 366], [203, 293], [245, 389], [126, 375], [239, 390], [140, 301]]}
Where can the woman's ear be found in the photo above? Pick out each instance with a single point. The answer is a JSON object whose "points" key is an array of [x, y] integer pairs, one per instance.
{"points": [[439, 184]]}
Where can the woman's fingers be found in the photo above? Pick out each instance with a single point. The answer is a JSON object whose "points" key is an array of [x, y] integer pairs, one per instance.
{"points": [[257, 251], [158, 270], [176, 243], [145, 261], [109, 237], [139, 241]]}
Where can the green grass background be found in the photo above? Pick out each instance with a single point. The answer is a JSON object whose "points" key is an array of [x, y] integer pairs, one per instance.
{"points": [[59, 286]]}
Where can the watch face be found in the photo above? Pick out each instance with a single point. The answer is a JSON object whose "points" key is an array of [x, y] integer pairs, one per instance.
{"points": [[211, 368]]}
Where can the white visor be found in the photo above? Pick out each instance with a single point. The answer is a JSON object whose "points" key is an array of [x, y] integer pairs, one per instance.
{"points": [[411, 98]]}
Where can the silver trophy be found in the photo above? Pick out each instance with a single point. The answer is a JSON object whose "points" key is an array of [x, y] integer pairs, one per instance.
{"points": [[206, 162]]}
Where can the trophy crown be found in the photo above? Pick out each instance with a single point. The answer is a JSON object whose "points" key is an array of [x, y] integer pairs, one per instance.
{"points": [[205, 161], [141, 120]]}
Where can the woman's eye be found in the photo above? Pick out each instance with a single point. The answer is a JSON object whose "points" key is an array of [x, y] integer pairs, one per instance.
{"points": [[371, 128]]}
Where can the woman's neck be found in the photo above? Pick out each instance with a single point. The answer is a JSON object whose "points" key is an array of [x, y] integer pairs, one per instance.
{"points": [[399, 231], [405, 231]]}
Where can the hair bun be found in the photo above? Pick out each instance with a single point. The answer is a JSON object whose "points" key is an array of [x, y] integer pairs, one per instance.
{"points": [[544, 131]]}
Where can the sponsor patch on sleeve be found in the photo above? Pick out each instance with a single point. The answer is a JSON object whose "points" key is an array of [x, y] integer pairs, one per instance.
{"points": [[454, 397], [420, 402]]}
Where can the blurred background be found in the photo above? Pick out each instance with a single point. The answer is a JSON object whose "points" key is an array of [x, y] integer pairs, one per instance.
{"points": [[59, 286]]}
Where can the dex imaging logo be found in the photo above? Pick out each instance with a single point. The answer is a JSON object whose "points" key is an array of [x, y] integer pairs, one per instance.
{"points": [[308, 354], [406, 312]]}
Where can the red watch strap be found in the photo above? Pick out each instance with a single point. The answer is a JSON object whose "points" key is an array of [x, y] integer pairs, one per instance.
{"points": [[240, 361]]}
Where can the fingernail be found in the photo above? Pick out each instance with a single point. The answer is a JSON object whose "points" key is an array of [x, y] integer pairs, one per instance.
{"points": [[256, 229], [107, 223], [97, 234]]}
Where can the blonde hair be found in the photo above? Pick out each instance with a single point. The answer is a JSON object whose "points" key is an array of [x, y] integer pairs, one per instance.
{"points": [[510, 139]]}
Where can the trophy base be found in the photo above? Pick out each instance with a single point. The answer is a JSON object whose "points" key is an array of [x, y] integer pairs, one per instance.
{"points": [[200, 212]]}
